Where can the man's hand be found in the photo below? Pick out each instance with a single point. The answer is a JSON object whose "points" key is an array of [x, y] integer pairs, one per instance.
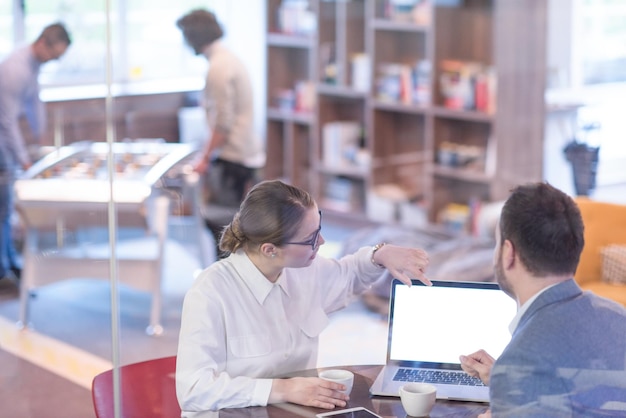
{"points": [[201, 166], [308, 391], [478, 364]]}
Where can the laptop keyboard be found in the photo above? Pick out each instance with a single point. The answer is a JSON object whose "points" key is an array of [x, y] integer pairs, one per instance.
{"points": [[449, 377]]}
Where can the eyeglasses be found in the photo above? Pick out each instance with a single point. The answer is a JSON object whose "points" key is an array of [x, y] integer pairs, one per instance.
{"points": [[313, 241]]}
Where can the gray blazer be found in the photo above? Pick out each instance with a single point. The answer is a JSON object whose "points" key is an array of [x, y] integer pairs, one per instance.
{"points": [[567, 357]]}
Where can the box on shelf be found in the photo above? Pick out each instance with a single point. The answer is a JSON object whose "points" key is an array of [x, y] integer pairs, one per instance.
{"points": [[285, 100], [341, 142], [455, 217], [361, 72], [413, 214], [295, 18], [343, 194], [300, 99], [467, 86], [383, 202], [414, 11], [451, 154]]}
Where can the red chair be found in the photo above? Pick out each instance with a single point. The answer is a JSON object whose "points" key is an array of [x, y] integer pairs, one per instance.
{"points": [[148, 390]]}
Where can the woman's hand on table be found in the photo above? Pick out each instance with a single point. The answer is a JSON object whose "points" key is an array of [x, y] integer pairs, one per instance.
{"points": [[308, 391]]}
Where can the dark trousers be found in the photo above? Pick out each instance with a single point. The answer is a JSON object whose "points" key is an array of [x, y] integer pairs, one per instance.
{"points": [[8, 253], [228, 183]]}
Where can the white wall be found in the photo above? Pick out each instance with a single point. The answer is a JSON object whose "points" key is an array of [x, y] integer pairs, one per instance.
{"points": [[244, 27], [560, 36]]}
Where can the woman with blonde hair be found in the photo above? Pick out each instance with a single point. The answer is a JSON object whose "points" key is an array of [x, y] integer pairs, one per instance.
{"points": [[257, 314]]}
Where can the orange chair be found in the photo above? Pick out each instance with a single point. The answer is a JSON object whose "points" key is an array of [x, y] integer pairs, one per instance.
{"points": [[148, 390], [605, 224]]}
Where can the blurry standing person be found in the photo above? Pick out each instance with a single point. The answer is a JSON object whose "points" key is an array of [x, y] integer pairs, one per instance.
{"points": [[257, 315], [228, 100], [234, 152], [19, 94]]}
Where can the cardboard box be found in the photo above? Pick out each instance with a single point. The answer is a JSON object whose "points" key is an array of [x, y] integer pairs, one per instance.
{"points": [[341, 141], [383, 203], [413, 214]]}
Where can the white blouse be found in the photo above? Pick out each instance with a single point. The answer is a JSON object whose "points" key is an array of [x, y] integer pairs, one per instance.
{"points": [[239, 330]]}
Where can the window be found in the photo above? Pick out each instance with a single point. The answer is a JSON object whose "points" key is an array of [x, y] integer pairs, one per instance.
{"points": [[6, 28], [155, 44], [145, 45], [600, 41]]}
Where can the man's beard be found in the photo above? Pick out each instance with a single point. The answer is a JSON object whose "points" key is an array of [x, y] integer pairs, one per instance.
{"points": [[501, 278]]}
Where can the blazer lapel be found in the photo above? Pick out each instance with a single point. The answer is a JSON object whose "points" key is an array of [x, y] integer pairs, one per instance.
{"points": [[566, 290]]}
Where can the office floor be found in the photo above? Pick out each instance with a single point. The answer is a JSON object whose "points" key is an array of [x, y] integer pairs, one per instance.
{"points": [[47, 369]]}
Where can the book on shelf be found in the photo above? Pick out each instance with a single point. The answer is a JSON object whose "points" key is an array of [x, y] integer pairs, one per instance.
{"points": [[405, 84], [467, 86], [343, 195], [340, 140]]}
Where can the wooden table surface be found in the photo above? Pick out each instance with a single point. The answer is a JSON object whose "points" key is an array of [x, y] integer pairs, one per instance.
{"points": [[363, 378]]}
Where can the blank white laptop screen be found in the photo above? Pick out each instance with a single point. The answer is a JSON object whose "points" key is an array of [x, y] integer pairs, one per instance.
{"points": [[453, 320]]}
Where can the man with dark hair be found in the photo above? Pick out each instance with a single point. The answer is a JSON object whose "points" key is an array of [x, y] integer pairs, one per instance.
{"points": [[234, 151], [567, 354], [200, 28], [19, 93]]}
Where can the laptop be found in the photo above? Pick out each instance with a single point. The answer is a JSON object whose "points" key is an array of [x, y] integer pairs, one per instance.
{"points": [[431, 326]]}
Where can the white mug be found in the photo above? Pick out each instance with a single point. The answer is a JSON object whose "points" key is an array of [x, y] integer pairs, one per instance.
{"points": [[418, 399], [344, 377]]}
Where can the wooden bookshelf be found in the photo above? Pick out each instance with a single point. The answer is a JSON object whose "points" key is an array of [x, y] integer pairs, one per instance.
{"points": [[498, 49]]}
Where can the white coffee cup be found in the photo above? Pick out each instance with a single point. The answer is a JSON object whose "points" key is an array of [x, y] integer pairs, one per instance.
{"points": [[418, 399], [344, 377]]}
